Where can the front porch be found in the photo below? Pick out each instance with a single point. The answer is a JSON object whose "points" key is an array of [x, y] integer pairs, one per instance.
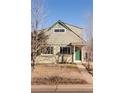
{"points": [[77, 52]]}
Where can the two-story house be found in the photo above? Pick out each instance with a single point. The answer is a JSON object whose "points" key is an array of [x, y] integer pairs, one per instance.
{"points": [[65, 44]]}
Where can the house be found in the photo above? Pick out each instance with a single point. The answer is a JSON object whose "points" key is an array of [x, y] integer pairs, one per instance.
{"points": [[64, 44]]}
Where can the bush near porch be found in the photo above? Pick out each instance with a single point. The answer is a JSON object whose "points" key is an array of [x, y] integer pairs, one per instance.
{"points": [[89, 67], [57, 74]]}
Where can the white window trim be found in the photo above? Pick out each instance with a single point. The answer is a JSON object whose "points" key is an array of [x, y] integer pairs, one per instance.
{"points": [[46, 54]]}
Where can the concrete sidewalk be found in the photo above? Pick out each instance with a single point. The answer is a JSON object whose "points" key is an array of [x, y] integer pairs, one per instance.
{"points": [[86, 75], [75, 87]]}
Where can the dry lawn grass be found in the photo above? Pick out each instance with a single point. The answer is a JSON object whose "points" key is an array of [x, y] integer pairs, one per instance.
{"points": [[57, 73]]}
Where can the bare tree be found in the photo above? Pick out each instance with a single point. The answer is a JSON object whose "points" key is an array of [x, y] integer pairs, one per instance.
{"points": [[37, 14], [37, 39], [90, 49], [89, 41], [88, 34]]}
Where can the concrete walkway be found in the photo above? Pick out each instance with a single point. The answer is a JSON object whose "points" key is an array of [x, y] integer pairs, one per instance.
{"points": [[86, 75]]}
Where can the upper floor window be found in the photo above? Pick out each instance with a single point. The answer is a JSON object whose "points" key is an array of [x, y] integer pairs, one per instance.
{"points": [[59, 30]]}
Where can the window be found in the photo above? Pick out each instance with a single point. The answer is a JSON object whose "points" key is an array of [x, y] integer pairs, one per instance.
{"points": [[47, 50], [59, 30], [56, 30], [50, 50], [65, 50]]}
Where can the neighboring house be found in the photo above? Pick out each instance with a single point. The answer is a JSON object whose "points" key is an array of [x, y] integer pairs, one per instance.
{"points": [[65, 44]]}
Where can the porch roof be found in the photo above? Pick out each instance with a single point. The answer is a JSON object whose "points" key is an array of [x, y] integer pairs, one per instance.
{"points": [[76, 43]]}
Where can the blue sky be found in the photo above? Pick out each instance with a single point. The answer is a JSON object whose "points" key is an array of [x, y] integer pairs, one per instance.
{"points": [[75, 12]]}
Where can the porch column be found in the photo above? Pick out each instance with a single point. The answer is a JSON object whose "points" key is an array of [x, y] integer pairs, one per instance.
{"points": [[82, 55], [74, 54]]}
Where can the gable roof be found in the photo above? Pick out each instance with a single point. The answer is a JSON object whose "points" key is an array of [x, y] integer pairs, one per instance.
{"points": [[65, 25]]}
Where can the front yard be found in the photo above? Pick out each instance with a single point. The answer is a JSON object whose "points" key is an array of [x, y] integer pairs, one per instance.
{"points": [[57, 74]]}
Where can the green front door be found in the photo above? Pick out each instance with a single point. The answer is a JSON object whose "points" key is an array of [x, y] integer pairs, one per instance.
{"points": [[77, 53]]}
